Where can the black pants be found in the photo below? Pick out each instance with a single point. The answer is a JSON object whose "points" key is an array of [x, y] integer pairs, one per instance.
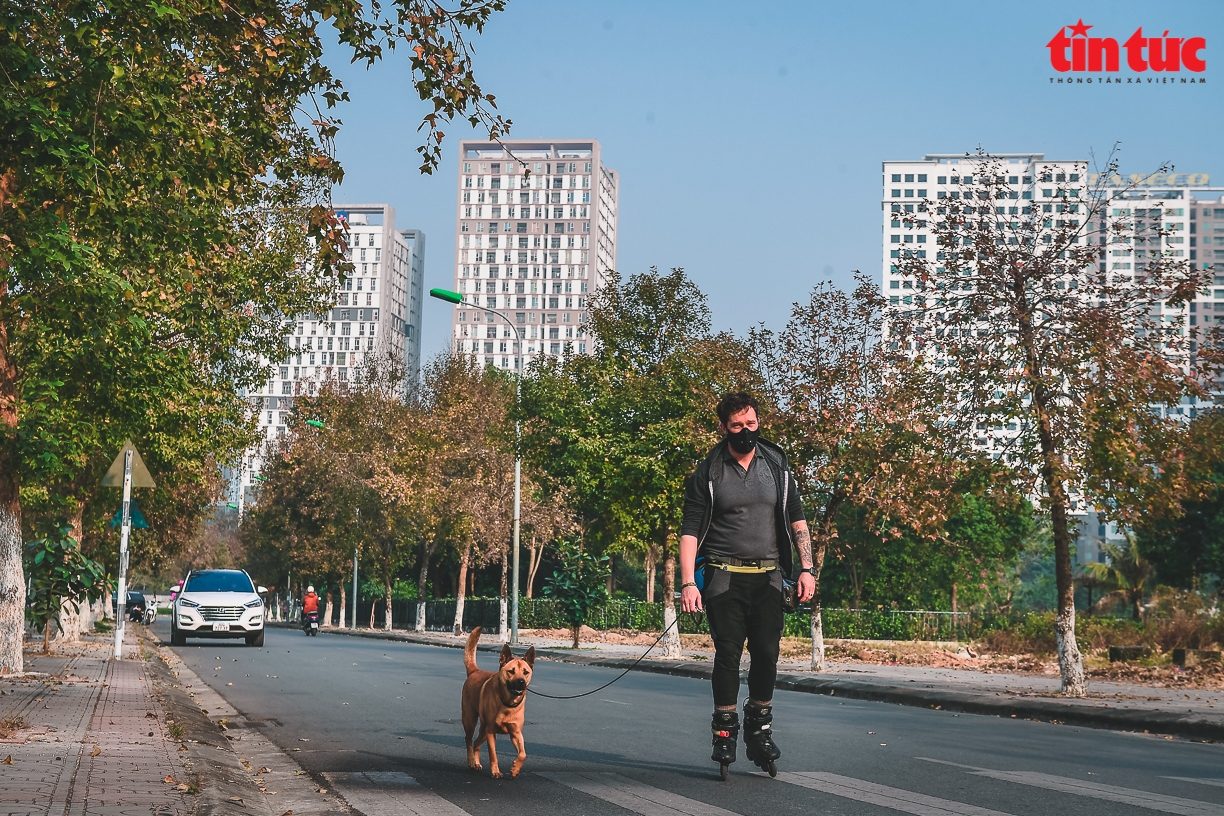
{"points": [[750, 609]]}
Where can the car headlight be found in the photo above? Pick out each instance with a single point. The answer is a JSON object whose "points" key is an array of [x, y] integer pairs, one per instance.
{"points": [[189, 604], [255, 604]]}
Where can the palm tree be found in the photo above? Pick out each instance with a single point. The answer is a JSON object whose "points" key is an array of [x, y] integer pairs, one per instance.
{"points": [[1126, 573]]}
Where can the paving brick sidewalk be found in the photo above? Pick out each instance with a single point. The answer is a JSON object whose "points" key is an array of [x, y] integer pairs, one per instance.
{"points": [[94, 740], [113, 738]]}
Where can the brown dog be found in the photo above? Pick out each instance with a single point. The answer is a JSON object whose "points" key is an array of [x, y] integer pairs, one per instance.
{"points": [[497, 699]]}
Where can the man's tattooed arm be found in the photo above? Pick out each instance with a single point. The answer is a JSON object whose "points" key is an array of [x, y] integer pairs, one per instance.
{"points": [[803, 540]]}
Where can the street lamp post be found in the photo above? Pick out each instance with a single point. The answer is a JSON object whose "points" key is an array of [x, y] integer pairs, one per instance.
{"points": [[457, 299]]}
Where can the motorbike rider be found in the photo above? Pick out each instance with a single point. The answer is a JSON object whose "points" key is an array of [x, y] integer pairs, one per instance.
{"points": [[310, 603]]}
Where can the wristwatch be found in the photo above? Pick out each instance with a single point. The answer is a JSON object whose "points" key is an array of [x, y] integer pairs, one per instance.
{"points": [[810, 571]]}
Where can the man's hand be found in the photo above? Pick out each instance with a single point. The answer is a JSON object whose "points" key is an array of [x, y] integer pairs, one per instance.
{"points": [[690, 599], [807, 587]]}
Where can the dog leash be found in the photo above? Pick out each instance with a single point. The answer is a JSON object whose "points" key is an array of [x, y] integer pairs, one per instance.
{"points": [[632, 666]]}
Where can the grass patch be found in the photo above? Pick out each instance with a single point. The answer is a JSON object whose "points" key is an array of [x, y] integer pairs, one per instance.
{"points": [[102, 627], [176, 731]]}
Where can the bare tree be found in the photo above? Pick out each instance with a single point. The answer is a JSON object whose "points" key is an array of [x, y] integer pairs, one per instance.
{"points": [[1045, 353]]}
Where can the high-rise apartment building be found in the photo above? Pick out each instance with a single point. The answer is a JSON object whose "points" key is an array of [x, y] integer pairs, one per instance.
{"points": [[377, 310], [535, 238], [1187, 226]]}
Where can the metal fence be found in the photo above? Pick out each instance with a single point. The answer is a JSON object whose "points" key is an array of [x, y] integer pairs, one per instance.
{"points": [[545, 613]]}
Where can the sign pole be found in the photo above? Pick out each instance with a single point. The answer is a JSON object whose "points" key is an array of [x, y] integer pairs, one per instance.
{"points": [[121, 589], [354, 587]]}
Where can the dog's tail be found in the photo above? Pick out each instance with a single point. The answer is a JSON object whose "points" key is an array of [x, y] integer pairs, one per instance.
{"points": [[469, 651]]}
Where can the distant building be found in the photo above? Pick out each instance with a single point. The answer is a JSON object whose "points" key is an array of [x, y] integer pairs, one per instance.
{"points": [[534, 245], [377, 309]]}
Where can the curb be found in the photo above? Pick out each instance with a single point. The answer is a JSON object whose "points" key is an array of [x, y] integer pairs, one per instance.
{"points": [[1041, 709], [226, 788]]}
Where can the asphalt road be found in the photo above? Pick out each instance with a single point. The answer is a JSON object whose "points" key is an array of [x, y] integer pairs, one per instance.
{"points": [[391, 711]]}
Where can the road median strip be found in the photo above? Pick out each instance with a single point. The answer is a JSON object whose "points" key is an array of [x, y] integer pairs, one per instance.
{"points": [[1000, 704]]}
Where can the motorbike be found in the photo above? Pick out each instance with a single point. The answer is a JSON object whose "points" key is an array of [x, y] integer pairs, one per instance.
{"points": [[310, 623], [150, 615]]}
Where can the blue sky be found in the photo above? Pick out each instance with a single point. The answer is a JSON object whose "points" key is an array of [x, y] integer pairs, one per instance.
{"points": [[749, 137]]}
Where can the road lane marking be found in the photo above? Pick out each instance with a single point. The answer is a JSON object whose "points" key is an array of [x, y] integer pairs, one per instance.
{"points": [[1097, 790], [633, 795], [390, 793], [905, 801], [1219, 783]]}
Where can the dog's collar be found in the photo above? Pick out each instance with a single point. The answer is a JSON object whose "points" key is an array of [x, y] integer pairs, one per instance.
{"points": [[521, 699]]}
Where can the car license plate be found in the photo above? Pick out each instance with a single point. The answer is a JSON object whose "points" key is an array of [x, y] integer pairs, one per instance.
{"points": [[220, 627]]}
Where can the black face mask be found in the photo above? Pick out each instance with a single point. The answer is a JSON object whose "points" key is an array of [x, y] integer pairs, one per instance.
{"points": [[744, 440]]}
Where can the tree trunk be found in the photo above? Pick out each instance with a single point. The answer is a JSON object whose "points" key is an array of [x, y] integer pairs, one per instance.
{"points": [[327, 613], [12, 576], [1070, 661], [373, 609], [462, 586], [537, 553], [650, 563], [1137, 606], [68, 629], [503, 612], [671, 634], [422, 586], [344, 605], [610, 588], [387, 622], [953, 597], [820, 546], [575, 631]]}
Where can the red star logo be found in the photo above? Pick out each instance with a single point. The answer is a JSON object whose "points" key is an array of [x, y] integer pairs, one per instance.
{"points": [[1079, 29]]}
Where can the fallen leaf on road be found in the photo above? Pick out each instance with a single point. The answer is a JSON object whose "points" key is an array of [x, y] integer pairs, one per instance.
{"points": [[150, 716], [182, 747], [237, 799], [322, 790], [217, 669], [303, 739], [182, 787], [169, 780], [229, 684], [96, 751], [8, 760], [264, 770], [287, 813]]}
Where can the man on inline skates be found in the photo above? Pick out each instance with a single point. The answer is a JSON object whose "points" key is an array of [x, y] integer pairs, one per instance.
{"points": [[742, 517]]}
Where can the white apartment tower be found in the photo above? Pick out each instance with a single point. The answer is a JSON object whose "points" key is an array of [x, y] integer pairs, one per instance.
{"points": [[535, 238], [1161, 201], [377, 309]]}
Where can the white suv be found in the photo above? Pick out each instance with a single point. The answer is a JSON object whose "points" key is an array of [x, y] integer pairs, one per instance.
{"points": [[218, 604]]}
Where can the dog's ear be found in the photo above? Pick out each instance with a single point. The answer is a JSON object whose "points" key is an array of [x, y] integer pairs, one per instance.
{"points": [[506, 656], [530, 657]]}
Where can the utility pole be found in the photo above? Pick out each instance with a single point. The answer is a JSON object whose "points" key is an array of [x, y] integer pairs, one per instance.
{"points": [[457, 299], [125, 530], [354, 587], [131, 472]]}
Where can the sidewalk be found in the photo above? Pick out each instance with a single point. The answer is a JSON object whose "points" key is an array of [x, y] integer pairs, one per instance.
{"points": [[81, 734], [1188, 713]]}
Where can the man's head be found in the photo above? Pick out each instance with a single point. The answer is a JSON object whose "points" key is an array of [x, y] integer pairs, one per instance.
{"points": [[738, 419], [309, 590]]}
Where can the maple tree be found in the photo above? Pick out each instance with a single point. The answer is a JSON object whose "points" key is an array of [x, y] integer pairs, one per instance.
{"points": [[165, 173], [1044, 356], [854, 420]]}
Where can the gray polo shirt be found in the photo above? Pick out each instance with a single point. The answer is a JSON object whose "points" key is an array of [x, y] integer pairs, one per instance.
{"points": [[742, 524]]}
